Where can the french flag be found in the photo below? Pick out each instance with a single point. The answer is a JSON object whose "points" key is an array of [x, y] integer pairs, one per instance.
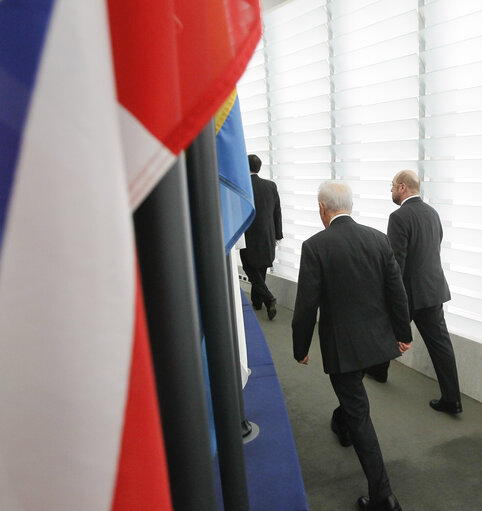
{"points": [[97, 99], [80, 426]]}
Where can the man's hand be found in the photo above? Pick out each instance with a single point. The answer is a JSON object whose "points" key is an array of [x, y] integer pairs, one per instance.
{"points": [[404, 346], [304, 361]]}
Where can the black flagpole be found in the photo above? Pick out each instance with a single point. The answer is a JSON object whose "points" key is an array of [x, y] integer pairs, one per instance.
{"points": [[202, 170], [165, 252]]}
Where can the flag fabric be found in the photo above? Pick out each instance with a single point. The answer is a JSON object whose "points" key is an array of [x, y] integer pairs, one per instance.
{"points": [[72, 342], [238, 308], [237, 201], [175, 63], [236, 191], [18, 67], [142, 479], [96, 101]]}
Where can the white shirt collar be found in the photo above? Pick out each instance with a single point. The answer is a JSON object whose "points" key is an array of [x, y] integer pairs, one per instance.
{"points": [[337, 216], [408, 198]]}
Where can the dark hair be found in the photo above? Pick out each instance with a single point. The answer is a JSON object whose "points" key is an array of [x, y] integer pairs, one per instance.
{"points": [[254, 163]]}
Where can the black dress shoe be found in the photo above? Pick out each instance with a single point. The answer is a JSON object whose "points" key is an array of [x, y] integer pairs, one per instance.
{"points": [[380, 377], [452, 407], [271, 307], [388, 504], [343, 434]]}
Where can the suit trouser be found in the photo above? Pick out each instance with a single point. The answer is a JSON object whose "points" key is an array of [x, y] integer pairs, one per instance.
{"points": [[433, 329], [355, 414], [259, 290]]}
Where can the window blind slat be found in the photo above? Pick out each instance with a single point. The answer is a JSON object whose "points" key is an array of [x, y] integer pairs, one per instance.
{"points": [[440, 11], [449, 170], [459, 236], [376, 151], [371, 14], [320, 120], [310, 170], [453, 101], [446, 147], [300, 108], [453, 123], [464, 280], [373, 34], [290, 13], [458, 77], [386, 111], [293, 185], [456, 214], [303, 91], [453, 55], [393, 48], [378, 73], [392, 130], [310, 38], [379, 170], [305, 139], [378, 93], [472, 261], [464, 27], [302, 154]]}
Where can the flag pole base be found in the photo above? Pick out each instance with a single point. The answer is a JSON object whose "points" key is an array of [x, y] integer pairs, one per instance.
{"points": [[250, 431]]}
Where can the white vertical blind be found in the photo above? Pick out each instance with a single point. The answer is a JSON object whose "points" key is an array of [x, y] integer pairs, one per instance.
{"points": [[452, 167], [299, 94], [253, 100], [375, 99], [358, 90]]}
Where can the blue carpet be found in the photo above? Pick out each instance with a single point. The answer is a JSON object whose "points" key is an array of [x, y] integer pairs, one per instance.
{"points": [[272, 467]]}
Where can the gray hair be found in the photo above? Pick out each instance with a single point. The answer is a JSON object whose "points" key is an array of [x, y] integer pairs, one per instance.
{"points": [[335, 196]]}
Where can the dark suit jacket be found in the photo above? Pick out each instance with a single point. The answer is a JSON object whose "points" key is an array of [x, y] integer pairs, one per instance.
{"points": [[415, 233], [266, 228], [349, 272]]}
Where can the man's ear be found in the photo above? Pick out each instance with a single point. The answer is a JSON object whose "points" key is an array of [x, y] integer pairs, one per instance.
{"points": [[322, 209]]}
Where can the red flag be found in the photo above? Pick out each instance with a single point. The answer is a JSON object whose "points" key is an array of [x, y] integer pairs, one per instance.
{"points": [[175, 63], [142, 481]]}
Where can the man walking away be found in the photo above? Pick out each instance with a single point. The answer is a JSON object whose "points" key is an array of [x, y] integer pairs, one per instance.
{"points": [[415, 233], [349, 274], [261, 237]]}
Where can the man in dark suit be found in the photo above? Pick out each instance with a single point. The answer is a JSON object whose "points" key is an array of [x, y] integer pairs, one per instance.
{"points": [[261, 237], [349, 273], [415, 233]]}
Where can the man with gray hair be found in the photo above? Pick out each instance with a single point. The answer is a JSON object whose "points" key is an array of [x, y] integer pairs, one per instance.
{"points": [[349, 274]]}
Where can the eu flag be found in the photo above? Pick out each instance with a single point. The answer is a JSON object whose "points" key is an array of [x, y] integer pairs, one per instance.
{"points": [[237, 202]]}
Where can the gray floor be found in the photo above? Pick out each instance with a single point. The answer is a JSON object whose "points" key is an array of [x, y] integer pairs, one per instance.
{"points": [[434, 460]]}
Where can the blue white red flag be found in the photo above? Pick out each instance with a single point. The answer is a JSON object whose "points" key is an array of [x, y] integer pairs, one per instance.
{"points": [[97, 99], [75, 377]]}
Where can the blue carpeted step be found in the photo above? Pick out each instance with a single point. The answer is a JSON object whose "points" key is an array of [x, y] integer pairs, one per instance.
{"points": [[272, 467]]}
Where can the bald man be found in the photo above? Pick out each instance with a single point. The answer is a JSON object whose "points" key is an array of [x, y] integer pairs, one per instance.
{"points": [[415, 233]]}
